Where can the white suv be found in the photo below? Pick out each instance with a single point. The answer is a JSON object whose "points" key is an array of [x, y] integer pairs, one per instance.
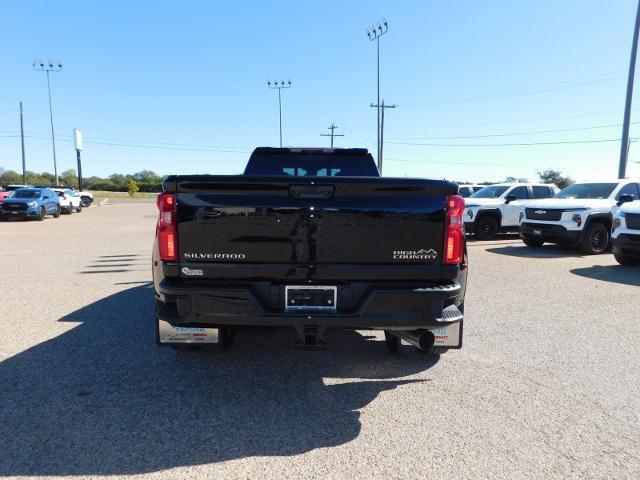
{"points": [[496, 208], [69, 200], [581, 214], [625, 236]]}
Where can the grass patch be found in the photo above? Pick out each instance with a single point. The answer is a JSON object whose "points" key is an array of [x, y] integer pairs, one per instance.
{"points": [[100, 195]]}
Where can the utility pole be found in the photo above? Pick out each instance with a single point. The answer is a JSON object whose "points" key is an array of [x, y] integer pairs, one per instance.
{"points": [[41, 66], [279, 85], [382, 107], [24, 163], [374, 33], [624, 149], [332, 134]]}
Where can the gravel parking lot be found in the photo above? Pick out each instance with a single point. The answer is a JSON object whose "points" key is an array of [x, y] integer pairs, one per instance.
{"points": [[546, 386]]}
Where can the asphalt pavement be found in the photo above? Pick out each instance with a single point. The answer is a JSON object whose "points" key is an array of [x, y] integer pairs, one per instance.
{"points": [[547, 384]]}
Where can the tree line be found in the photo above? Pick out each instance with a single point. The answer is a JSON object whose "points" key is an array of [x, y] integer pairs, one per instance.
{"points": [[145, 180], [149, 181]]}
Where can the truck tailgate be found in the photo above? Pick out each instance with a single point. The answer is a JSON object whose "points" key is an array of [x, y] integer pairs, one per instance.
{"points": [[310, 228]]}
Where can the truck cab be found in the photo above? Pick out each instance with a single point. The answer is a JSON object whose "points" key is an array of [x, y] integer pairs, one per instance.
{"points": [[496, 208]]}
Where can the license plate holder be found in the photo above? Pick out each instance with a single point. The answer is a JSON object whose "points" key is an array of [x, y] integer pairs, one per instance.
{"points": [[321, 298]]}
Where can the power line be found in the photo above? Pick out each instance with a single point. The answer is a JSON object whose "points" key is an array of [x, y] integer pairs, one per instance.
{"points": [[513, 134], [451, 163], [505, 144], [562, 85], [156, 147], [136, 143]]}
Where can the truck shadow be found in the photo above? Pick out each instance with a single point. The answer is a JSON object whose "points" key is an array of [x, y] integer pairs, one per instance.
{"points": [[546, 251], [103, 399], [611, 273]]}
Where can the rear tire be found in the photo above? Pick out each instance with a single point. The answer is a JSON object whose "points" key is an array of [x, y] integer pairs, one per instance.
{"points": [[85, 202], [487, 228], [596, 239], [529, 242], [57, 213], [79, 208], [626, 260]]}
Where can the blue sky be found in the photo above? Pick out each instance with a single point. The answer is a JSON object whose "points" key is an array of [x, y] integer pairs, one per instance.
{"points": [[180, 87]]}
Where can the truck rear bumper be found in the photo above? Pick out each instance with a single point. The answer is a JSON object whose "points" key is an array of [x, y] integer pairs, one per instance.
{"points": [[388, 308]]}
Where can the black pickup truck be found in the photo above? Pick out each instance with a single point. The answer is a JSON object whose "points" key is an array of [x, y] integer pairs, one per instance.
{"points": [[310, 239]]}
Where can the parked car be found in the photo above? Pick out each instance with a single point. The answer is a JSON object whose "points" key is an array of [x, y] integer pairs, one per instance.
{"points": [[11, 188], [4, 194], [466, 191], [30, 203], [625, 235], [496, 208], [86, 198], [69, 200], [581, 215], [310, 239]]}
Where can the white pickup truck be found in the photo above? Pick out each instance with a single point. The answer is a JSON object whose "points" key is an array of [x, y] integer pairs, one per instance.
{"points": [[581, 214], [625, 236], [496, 208]]}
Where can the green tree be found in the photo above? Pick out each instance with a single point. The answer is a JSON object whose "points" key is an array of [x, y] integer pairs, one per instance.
{"points": [[551, 175], [69, 178], [516, 180], [147, 176], [133, 188], [8, 177], [119, 180]]}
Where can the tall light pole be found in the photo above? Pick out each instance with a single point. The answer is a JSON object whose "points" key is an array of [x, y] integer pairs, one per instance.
{"points": [[374, 33], [50, 66], [624, 148], [279, 85]]}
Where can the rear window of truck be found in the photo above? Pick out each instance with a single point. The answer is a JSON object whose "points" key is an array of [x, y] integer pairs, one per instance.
{"points": [[312, 165]]}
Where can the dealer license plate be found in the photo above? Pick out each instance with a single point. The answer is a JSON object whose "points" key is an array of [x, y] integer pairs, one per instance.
{"points": [[310, 297]]}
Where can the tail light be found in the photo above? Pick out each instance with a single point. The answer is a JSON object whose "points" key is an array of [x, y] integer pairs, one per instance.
{"points": [[454, 245], [166, 230]]}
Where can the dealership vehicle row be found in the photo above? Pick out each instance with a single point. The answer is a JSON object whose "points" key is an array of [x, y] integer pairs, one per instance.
{"points": [[36, 202], [594, 216]]}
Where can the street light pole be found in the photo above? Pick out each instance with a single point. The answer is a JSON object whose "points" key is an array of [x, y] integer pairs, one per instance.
{"points": [[279, 85], [374, 33], [624, 148], [48, 67]]}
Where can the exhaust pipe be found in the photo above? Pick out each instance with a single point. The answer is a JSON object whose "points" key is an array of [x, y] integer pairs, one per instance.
{"points": [[423, 339]]}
